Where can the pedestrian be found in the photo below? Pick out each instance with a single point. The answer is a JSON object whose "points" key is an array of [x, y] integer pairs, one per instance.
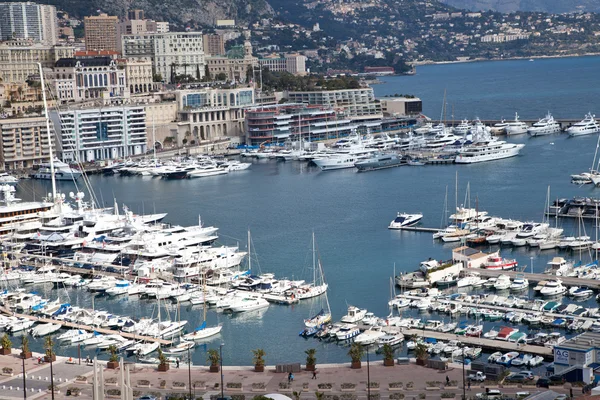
{"points": [[469, 384], [177, 362], [290, 377], [314, 374], [447, 381]]}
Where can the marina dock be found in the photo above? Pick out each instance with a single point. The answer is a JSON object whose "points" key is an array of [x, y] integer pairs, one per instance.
{"points": [[419, 229], [88, 328], [536, 278], [486, 344]]}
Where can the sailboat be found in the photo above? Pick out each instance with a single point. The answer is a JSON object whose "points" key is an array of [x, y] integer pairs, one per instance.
{"points": [[319, 287], [203, 331]]}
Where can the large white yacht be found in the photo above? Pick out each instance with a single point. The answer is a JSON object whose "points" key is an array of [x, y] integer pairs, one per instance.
{"points": [[441, 140], [587, 126], [544, 126], [62, 171], [463, 128], [487, 150], [515, 127]]}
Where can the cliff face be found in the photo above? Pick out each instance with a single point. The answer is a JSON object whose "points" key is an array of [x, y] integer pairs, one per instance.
{"points": [[180, 13], [552, 6]]}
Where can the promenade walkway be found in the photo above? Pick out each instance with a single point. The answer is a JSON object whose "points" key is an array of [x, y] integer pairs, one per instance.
{"points": [[207, 383]]}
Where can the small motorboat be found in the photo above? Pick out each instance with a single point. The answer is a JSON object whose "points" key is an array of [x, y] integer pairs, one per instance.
{"points": [[580, 291], [494, 357], [180, 347]]}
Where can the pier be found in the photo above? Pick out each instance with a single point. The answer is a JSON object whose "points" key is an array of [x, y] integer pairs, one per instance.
{"points": [[419, 229], [536, 278], [88, 328], [487, 344]]}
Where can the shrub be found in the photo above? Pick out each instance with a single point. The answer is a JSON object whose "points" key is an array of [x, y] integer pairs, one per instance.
{"points": [[453, 383], [410, 385], [162, 383], [143, 382], [396, 384], [234, 385], [74, 390], [81, 378], [7, 370], [326, 385], [448, 395], [310, 356], [305, 385], [114, 356], [433, 383], [348, 396], [330, 397], [5, 341], [422, 395], [238, 397], [356, 352], [374, 396], [374, 385], [110, 380], [259, 385], [178, 384], [199, 384], [137, 393], [113, 392], [213, 357], [284, 385], [397, 396], [347, 385]]}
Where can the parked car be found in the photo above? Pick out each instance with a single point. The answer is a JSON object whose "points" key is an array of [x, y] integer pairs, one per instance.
{"points": [[543, 383], [489, 394], [478, 376]]}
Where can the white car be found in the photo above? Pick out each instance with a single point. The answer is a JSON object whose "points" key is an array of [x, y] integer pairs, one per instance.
{"points": [[490, 394]]}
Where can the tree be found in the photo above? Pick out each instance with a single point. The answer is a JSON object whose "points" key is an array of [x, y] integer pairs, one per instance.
{"points": [[421, 353], [258, 357], [157, 78], [356, 353], [49, 347], [311, 360], [221, 76]]}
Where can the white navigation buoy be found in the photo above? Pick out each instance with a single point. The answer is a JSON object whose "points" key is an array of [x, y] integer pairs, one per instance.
{"points": [[552, 143]]}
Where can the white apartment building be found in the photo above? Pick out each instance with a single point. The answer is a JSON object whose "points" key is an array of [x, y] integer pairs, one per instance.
{"points": [[91, 134], [172, 53], [26, 20], [138, 72], [356, 104], [292, 63], [24, 142], [90, 78]]}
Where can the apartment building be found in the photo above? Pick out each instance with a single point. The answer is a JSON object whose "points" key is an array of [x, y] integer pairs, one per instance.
{"points": [[172, 53], [24, 142], [101, 32], [214, 45], [356, 104], [209, 114], [292, 63], [19, 58], [26, 20], [90, 134], [139, 76]]}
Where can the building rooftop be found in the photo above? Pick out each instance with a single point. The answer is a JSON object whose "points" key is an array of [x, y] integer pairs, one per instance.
{"points": [[88, 62], [585, 341]]}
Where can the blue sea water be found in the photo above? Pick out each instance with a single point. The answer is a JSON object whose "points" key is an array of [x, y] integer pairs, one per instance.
{"points": [[282, 203], [498, 89]]}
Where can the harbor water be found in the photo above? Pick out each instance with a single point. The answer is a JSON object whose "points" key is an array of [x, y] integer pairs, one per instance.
{"points": [[282, 203]]}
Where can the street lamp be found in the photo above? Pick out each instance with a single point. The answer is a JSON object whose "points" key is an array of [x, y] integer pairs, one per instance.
{"points": [[24, 378], [221, 367], [463, 374], [190, 373], [368, 377]]}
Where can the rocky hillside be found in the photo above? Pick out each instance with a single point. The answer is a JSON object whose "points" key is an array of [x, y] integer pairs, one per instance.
{"points": [[551, 6], [180, 13]]}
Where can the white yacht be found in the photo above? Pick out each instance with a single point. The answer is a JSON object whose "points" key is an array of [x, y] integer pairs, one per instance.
{"points": [[553, 288], [515, 127], [587, 126], [354, 315], [487, 150], [403, 219], [206, 170], [441, 140], [62, 171], [337, 161], [463, 128], [544, 126], [6, 179]]}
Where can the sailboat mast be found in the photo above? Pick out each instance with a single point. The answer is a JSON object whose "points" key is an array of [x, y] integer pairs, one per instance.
{"points": [[48, 131], [314, 261], [249, 254]]}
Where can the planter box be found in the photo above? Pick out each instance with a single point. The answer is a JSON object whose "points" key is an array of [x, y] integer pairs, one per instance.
{"points": [[285, 390], [259, 368], [111, 383], [143, 386], [112, 365], [27, 355], [388, 363], [373, 389], [324, 390], [259, 389], [163, 367], [178, 387], [4, 351], [348, 389], [355, 365], [451, 387], [432, 388], [395, 389], [47, 359], [7, 374], [234, 389], [310, 367], [213, 368]]}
